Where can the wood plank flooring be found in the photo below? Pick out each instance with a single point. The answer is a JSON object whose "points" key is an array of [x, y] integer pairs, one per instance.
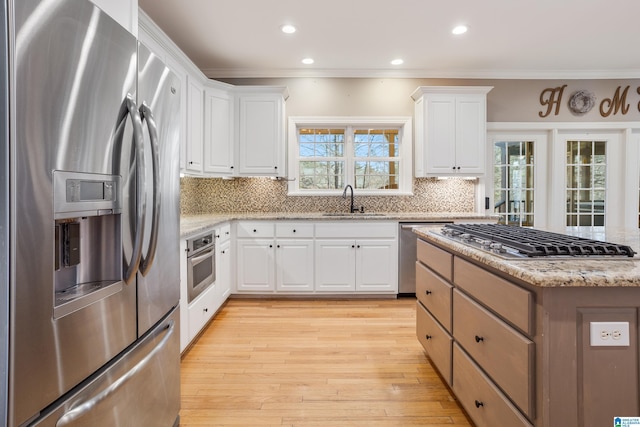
{"points": [[315, 364]]}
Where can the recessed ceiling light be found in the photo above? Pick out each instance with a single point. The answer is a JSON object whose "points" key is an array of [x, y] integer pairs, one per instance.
{"points": [[288, 29], [308, 61], [397, 62], [460, 29]]}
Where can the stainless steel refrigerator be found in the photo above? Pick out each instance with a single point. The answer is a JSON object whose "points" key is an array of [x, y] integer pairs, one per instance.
{"points": [[89, 222]]}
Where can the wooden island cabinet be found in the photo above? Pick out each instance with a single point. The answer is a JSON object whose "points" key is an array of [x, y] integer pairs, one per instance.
{"points": [[512, 338]]}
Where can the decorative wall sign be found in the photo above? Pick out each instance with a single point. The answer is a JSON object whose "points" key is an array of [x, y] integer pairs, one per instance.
{"points": [[582, 101]]}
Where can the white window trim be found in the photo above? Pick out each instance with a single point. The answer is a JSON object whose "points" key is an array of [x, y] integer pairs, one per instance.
{"points": [[356, 122]]}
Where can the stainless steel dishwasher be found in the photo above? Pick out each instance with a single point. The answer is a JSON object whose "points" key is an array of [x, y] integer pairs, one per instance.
{"points": [[407, 255]]}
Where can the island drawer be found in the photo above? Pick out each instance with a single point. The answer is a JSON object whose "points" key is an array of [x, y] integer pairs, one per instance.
{"points": [[435, 340], [435, 294], [511, 302], [483, 401], [294, 229], [255, 229], [435, 258], [503, 353]]}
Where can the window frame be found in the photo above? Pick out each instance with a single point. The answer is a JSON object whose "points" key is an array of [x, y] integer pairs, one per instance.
{"points": [[350, 123]]}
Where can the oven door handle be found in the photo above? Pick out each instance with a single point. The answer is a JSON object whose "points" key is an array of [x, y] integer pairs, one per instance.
{"points": [[195, 260], [88, 405], [146, 261]]}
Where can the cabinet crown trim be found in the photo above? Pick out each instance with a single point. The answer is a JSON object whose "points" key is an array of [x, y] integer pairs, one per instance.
{"points": [[463, 90]]}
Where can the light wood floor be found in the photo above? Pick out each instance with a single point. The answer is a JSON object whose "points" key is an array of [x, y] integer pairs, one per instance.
{"points": [[313, 363]]}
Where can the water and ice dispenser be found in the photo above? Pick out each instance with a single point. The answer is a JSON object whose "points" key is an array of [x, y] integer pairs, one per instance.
{"points": [[88, 242]]}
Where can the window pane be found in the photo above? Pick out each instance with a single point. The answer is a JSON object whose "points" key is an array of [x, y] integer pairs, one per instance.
{"points": [[586, 183], [321, 175], [513, 173], [325, 152]]}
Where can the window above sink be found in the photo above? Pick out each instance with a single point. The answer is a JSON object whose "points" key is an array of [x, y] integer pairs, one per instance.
{"points": [[373, 154]]}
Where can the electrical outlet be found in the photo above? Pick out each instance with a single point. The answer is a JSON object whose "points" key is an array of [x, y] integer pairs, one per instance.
{"points": [[609, 334]]}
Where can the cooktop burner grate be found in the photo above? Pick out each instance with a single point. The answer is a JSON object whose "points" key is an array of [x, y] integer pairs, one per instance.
{"points": [[537, 243]]}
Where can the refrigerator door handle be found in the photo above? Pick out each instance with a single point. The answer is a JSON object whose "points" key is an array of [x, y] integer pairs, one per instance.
{"points": [[87, 406], [147, 115], [129, 108]]}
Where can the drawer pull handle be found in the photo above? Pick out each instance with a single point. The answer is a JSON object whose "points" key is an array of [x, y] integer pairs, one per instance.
{"points": [[479, 404], [428, 337], [428, 292], [478, 339]]}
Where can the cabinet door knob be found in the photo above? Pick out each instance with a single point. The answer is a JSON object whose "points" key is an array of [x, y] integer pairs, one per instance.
{"points": [[427, 292], [453, 168], [255, 231], [206, 310], [275, 167], [428, 337], [353, 246], [294, 230], [479, 339], [458, 167], [278, 246], [358, 246], [270, 246], [479, 404]]}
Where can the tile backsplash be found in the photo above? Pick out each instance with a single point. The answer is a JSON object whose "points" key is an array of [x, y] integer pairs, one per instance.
{"points": [[215, 195]]}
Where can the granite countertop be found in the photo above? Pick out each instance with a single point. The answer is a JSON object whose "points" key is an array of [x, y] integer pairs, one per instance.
{"points": [[549, 272], [193, 224]]}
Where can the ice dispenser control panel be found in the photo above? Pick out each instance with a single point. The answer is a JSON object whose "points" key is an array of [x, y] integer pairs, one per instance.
{"points": [[85, 194]]}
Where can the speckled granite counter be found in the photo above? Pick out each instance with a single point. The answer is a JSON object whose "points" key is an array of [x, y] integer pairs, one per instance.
{"points": [[193, 224], [552, 272]]}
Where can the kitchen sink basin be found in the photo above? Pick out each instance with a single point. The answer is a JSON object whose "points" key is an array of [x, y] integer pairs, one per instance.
{"points": [[350, 215]]}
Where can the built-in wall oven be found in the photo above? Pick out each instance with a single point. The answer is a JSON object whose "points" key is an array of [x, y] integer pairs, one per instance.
{"points": [[201, 264]]}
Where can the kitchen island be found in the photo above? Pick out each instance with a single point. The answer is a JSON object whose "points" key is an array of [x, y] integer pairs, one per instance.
{"points": [[513, 337]]}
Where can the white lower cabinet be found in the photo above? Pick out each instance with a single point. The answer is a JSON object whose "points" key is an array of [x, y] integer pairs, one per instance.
{"points": [[201, 310], [335, 265], [256, 265], [294, 265], [317, 257], [356, 265], [223, 270], [274, 256], [376, 266]]}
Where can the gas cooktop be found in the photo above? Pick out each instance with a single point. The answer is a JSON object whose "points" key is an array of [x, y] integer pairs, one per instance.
{"points": [[514, 242]]}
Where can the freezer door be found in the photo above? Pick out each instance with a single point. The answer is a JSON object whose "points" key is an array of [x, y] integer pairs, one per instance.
{"points": [[141, 388], [159, 104]]}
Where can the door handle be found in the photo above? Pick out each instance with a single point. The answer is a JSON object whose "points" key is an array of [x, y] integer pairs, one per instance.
{"points": [[128, 108], [88, 405], [146, 261]]}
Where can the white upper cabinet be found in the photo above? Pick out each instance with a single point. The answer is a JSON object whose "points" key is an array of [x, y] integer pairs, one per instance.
{"points": [[195, 128], [218, 134], [261, 136], [125, 12], [450, 130]]}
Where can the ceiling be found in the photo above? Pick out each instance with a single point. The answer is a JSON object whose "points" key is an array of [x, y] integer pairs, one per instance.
{"points": [[359, 38]]}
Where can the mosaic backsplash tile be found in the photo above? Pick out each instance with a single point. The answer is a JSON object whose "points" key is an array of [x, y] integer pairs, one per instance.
{"points": [[215, 195]]}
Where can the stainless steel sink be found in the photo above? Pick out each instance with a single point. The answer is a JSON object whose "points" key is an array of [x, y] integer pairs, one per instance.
{"points": [[351, 215]]}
